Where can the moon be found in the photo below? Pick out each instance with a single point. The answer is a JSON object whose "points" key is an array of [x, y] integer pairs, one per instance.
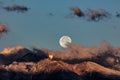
{"points": [[64, 41]]}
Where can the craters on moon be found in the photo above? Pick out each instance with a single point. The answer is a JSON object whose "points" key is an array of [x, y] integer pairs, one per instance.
{"points": [[64, 41]]}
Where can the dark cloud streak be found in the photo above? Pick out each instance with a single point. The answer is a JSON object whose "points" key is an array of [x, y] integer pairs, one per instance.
{"points": [[17, 8]]}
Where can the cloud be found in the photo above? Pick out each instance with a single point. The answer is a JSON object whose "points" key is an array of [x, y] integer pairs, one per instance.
{"points": [[17, 8], [96, 15], [91, 14], [104, 54], [77, 11], [117, 14], [3, 29]]}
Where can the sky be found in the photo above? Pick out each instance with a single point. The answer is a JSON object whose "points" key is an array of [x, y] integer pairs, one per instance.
{"points": [[47, 20]]}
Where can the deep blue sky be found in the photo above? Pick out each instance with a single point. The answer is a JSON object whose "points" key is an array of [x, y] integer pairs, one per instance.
{"points": [[37, 28]]}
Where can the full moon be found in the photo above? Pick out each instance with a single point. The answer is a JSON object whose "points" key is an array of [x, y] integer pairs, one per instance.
{"points": [[64, 41]]}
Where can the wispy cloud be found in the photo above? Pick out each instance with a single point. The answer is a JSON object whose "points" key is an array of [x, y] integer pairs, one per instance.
{"points": [[97, 15]]}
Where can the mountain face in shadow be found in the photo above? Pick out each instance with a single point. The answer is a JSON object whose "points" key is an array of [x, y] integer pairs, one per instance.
{"points": [[20, 54]]}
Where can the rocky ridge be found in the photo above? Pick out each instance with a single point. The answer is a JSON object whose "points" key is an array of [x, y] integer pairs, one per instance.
{"points": [[19, 63]]}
